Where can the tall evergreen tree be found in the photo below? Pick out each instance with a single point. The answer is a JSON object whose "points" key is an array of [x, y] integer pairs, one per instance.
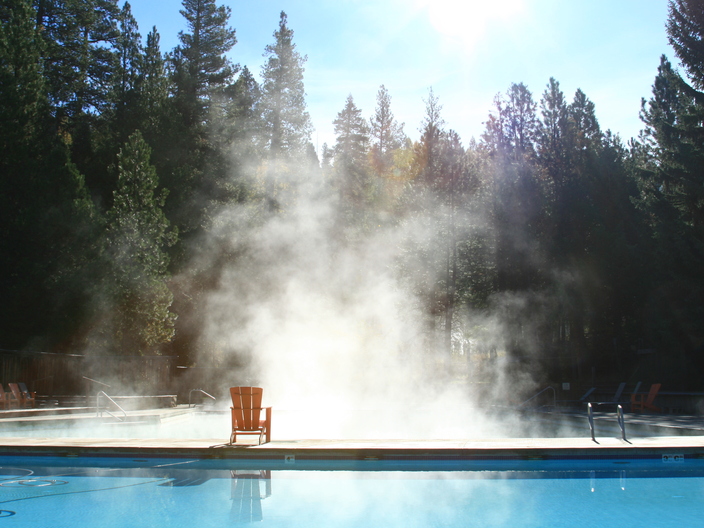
{"points": [[241, 123], [156, 117], [386, 133], [517, 194], [202, 67], [200, 72], [554, 135], [287, 125], [671, 183], [45, 212], [79, 38], [126, 76], [351, 166], [153, 86], [511, 129], [120, 116], [427, 158], [137, 317], [80, 64], [685, 31]]}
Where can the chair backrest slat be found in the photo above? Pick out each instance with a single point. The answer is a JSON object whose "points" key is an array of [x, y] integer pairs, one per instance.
{"points": [[247, 406], [654, 389]]}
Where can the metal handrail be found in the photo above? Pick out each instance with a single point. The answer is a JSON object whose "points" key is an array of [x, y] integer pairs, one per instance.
{"points": [[590, 417], [198, 390], [96, 381], [619, 418], [554, 396], [621, 421], [99, 412]]}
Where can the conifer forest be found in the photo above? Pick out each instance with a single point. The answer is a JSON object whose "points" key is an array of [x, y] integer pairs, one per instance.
{"points": [[133, 177]]}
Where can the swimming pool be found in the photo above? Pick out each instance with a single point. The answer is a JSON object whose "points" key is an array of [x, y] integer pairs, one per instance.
{"points": [[133, 492]]}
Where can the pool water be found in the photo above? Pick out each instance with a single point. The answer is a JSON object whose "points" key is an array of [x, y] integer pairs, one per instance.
{"points": [[101, 492]]}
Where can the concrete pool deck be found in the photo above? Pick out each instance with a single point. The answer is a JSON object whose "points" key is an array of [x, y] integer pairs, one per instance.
{"points": [[396, 450], [690, 445], [679, 436]]}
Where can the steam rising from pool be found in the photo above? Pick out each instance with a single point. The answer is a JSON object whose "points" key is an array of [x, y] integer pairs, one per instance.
{"points": [[330, 321]]}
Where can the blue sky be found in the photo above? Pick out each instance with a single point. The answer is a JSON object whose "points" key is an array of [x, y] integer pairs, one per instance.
{"points": [[467, 51]]}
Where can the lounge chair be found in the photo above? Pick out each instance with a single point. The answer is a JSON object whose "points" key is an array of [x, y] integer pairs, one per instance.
{"points": [[246, 413], [23, 397], [4, 399], [640, 401], [30, 397]]}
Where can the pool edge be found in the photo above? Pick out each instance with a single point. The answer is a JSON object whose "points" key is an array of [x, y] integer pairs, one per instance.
{"points": [[690, 447]]}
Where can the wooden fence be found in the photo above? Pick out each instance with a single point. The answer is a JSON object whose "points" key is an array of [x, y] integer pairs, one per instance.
{"points": [[51, 374]]}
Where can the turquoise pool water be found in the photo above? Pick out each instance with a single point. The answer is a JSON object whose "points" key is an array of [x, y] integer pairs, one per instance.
{"points": [[101, 492]]}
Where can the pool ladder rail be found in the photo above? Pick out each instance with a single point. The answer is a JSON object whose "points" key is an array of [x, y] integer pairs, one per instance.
{"points": [[202, 392], [99, 410], [548, 388], [619, 419]]}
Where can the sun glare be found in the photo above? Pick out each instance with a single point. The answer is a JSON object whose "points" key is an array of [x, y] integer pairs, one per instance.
{"points": [[466, 20]]}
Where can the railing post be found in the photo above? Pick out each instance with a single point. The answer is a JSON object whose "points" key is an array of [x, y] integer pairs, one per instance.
{"points": [[554, 397], [621, 421], [201, 391], [99, 412]]}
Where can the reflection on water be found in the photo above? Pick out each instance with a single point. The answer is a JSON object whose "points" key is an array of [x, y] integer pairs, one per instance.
{"points": [[249, 488], [186, 493]]}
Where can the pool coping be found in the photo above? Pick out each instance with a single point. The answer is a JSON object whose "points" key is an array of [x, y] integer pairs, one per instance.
{"points": [[690, 447]]}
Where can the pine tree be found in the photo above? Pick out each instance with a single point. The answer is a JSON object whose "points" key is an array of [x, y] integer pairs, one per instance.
{"points": [[517, 198], [511, 129], [79, 38], [386, 133], [685, 31], [672, 118], [138, 236], [201, 66], [156, 117], [242, 122], [234, 125], [45, 211], [428, 149], [126, 76], [193, 167], [670, 178], [119, 117], [554, 135], [350, 165], [153, 87], [287, 125], [80, 64]]}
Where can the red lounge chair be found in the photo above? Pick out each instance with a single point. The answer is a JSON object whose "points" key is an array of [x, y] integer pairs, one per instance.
{"points": [[246, 413], [640, 402]]}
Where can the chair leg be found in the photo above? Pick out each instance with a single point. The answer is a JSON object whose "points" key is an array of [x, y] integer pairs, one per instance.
{"points": [[267, 436]]}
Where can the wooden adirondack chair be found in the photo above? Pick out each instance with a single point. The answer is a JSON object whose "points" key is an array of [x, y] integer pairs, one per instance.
{"points": [[4, 398], [29, 397], [641, 401], [22, 395], [246, 413]]}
